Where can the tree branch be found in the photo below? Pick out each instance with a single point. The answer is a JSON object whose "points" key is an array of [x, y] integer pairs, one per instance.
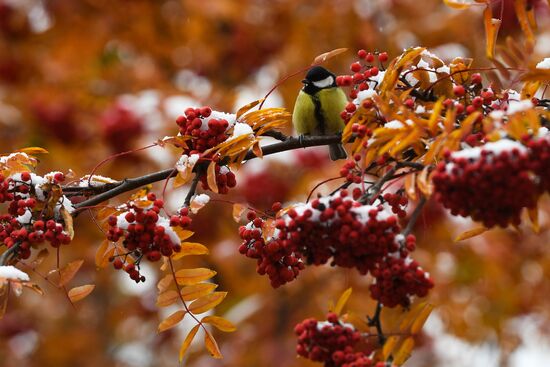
{"points": [[129, 184]]}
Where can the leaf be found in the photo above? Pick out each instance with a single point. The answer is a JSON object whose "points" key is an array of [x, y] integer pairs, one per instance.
{"points": [[78, 293], [211, 177], [193, 276], [328, 55], [342, 301], [33, 150], [238, 210], [404, 351], [207, 302], [389, 345], [470, 233], [167, 298], [492, 26], [192, 292], [212, 346], [190, 248], [165, 282], [34, 287], [187, 342], [4, 291], [42, 255], [68, 272], [520, 7], [171, 321], [421, 318], [244, 109], [68, 219], [257, 149], [458, 4], [183, 234], [220, 323], [534, 218]]}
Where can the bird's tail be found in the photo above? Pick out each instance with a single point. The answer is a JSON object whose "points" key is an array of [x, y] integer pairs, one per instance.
{"points": [[337, 152]]}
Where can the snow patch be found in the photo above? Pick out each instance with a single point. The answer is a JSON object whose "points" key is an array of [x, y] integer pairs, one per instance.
{"points": [[12, 273]]}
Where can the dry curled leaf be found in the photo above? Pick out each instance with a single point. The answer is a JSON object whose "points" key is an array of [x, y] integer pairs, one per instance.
{"points": [[78, 293]]}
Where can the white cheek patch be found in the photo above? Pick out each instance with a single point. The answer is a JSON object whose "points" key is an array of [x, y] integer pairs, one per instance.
{"points": [[327, 82]]}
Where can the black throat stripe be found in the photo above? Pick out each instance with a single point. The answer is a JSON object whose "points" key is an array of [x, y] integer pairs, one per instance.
{"points": [[319, 114]]}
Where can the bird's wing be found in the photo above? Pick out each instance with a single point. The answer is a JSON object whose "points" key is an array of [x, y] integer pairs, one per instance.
{"points": [[303, 117], [333, 102]]}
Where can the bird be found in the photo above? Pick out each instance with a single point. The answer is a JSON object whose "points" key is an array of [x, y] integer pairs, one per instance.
{"points": [[318, 107]]}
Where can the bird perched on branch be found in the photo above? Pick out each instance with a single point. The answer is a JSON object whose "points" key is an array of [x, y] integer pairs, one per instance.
{"points": [[318, 107]]}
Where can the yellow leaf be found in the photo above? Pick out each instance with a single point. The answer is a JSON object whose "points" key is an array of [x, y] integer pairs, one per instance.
{"points": [[192, 292], [68, 272], [327, 55], [424, 183], [389, 345], [187, 342], [470, 233], [534, 218], [520, 6], [183, 234], [492, 26], [167, 298], [220, 323], [410, 186], [171, 321], [165, 282], [78, 293], [190, 248], [248, 107], [404, 351], [257, 149], [33, 150], [434, 117], [100, 254], [421, 318], [193, 276], [342, 301], [238, 210], [207, 302], [458, 4], [211, 177], [212, 346]]}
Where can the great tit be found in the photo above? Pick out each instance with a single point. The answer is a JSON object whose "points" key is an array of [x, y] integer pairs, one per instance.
{"points": [[318, 107]]}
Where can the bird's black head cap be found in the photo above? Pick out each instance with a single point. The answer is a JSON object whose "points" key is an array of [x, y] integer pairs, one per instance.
{"points": [[318, 78]]}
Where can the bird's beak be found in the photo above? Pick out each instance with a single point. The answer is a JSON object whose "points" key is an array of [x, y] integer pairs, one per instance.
{"points": [[305, 81]]}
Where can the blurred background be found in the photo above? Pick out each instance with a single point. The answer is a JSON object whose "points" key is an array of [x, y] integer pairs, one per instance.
{"points": [[87, 79]]}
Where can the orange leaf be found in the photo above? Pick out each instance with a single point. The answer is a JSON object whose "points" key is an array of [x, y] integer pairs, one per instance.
{"points": [[207, 302], [458, 4], [238, 210], [410, 185], [342, 301], [212, 346], [187, 342], [183, 234], [167, 298], [404, 351], [244, 109], [190, 248], [78, 293], [171, 321], [258, 152], [470, 233], [193, 276], [192, 292], [421, 318], [534, 218], [68, 272], [33, 150], [327, 55], [165, 282], [389, 345], [100, 254], [211, 177], [492, 26], [220, 323], [42, 255]]}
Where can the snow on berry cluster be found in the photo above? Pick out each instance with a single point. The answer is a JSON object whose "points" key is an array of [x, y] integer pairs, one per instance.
{"points": [[491, 183], [144, 233], [35, 212], [539, 152], [333, 342], [207, 129], [338, 229]]}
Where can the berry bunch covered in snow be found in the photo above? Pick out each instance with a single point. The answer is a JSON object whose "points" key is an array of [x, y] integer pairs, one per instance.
{"points": [[225, 179], [397, 279], [144, 233], [491, 183], [281, 263], [364, 78], [331, 341], [206, 130], [539, 153], [36, 212]]}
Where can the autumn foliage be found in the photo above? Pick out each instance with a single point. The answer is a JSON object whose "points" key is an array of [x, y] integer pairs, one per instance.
{"points": [[167, 177]]}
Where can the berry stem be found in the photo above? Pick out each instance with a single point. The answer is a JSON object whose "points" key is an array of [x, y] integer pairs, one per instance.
{"points": [[377, 323], [414, 217], [193, 188]]}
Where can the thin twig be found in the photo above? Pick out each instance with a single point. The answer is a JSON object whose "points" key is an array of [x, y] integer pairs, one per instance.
{"points": [[6, 256], [414, 217], [377, 323], [193, 188]]}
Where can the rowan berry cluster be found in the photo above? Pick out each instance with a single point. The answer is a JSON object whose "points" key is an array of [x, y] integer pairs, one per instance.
{"points": [[206, 132], [397, 202], [365, 76], [144, 233], [24, 225], [396, 279], [120, 126], [331, 341], [539, 153], [491, 183], [351, 170], [338, 229]]}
